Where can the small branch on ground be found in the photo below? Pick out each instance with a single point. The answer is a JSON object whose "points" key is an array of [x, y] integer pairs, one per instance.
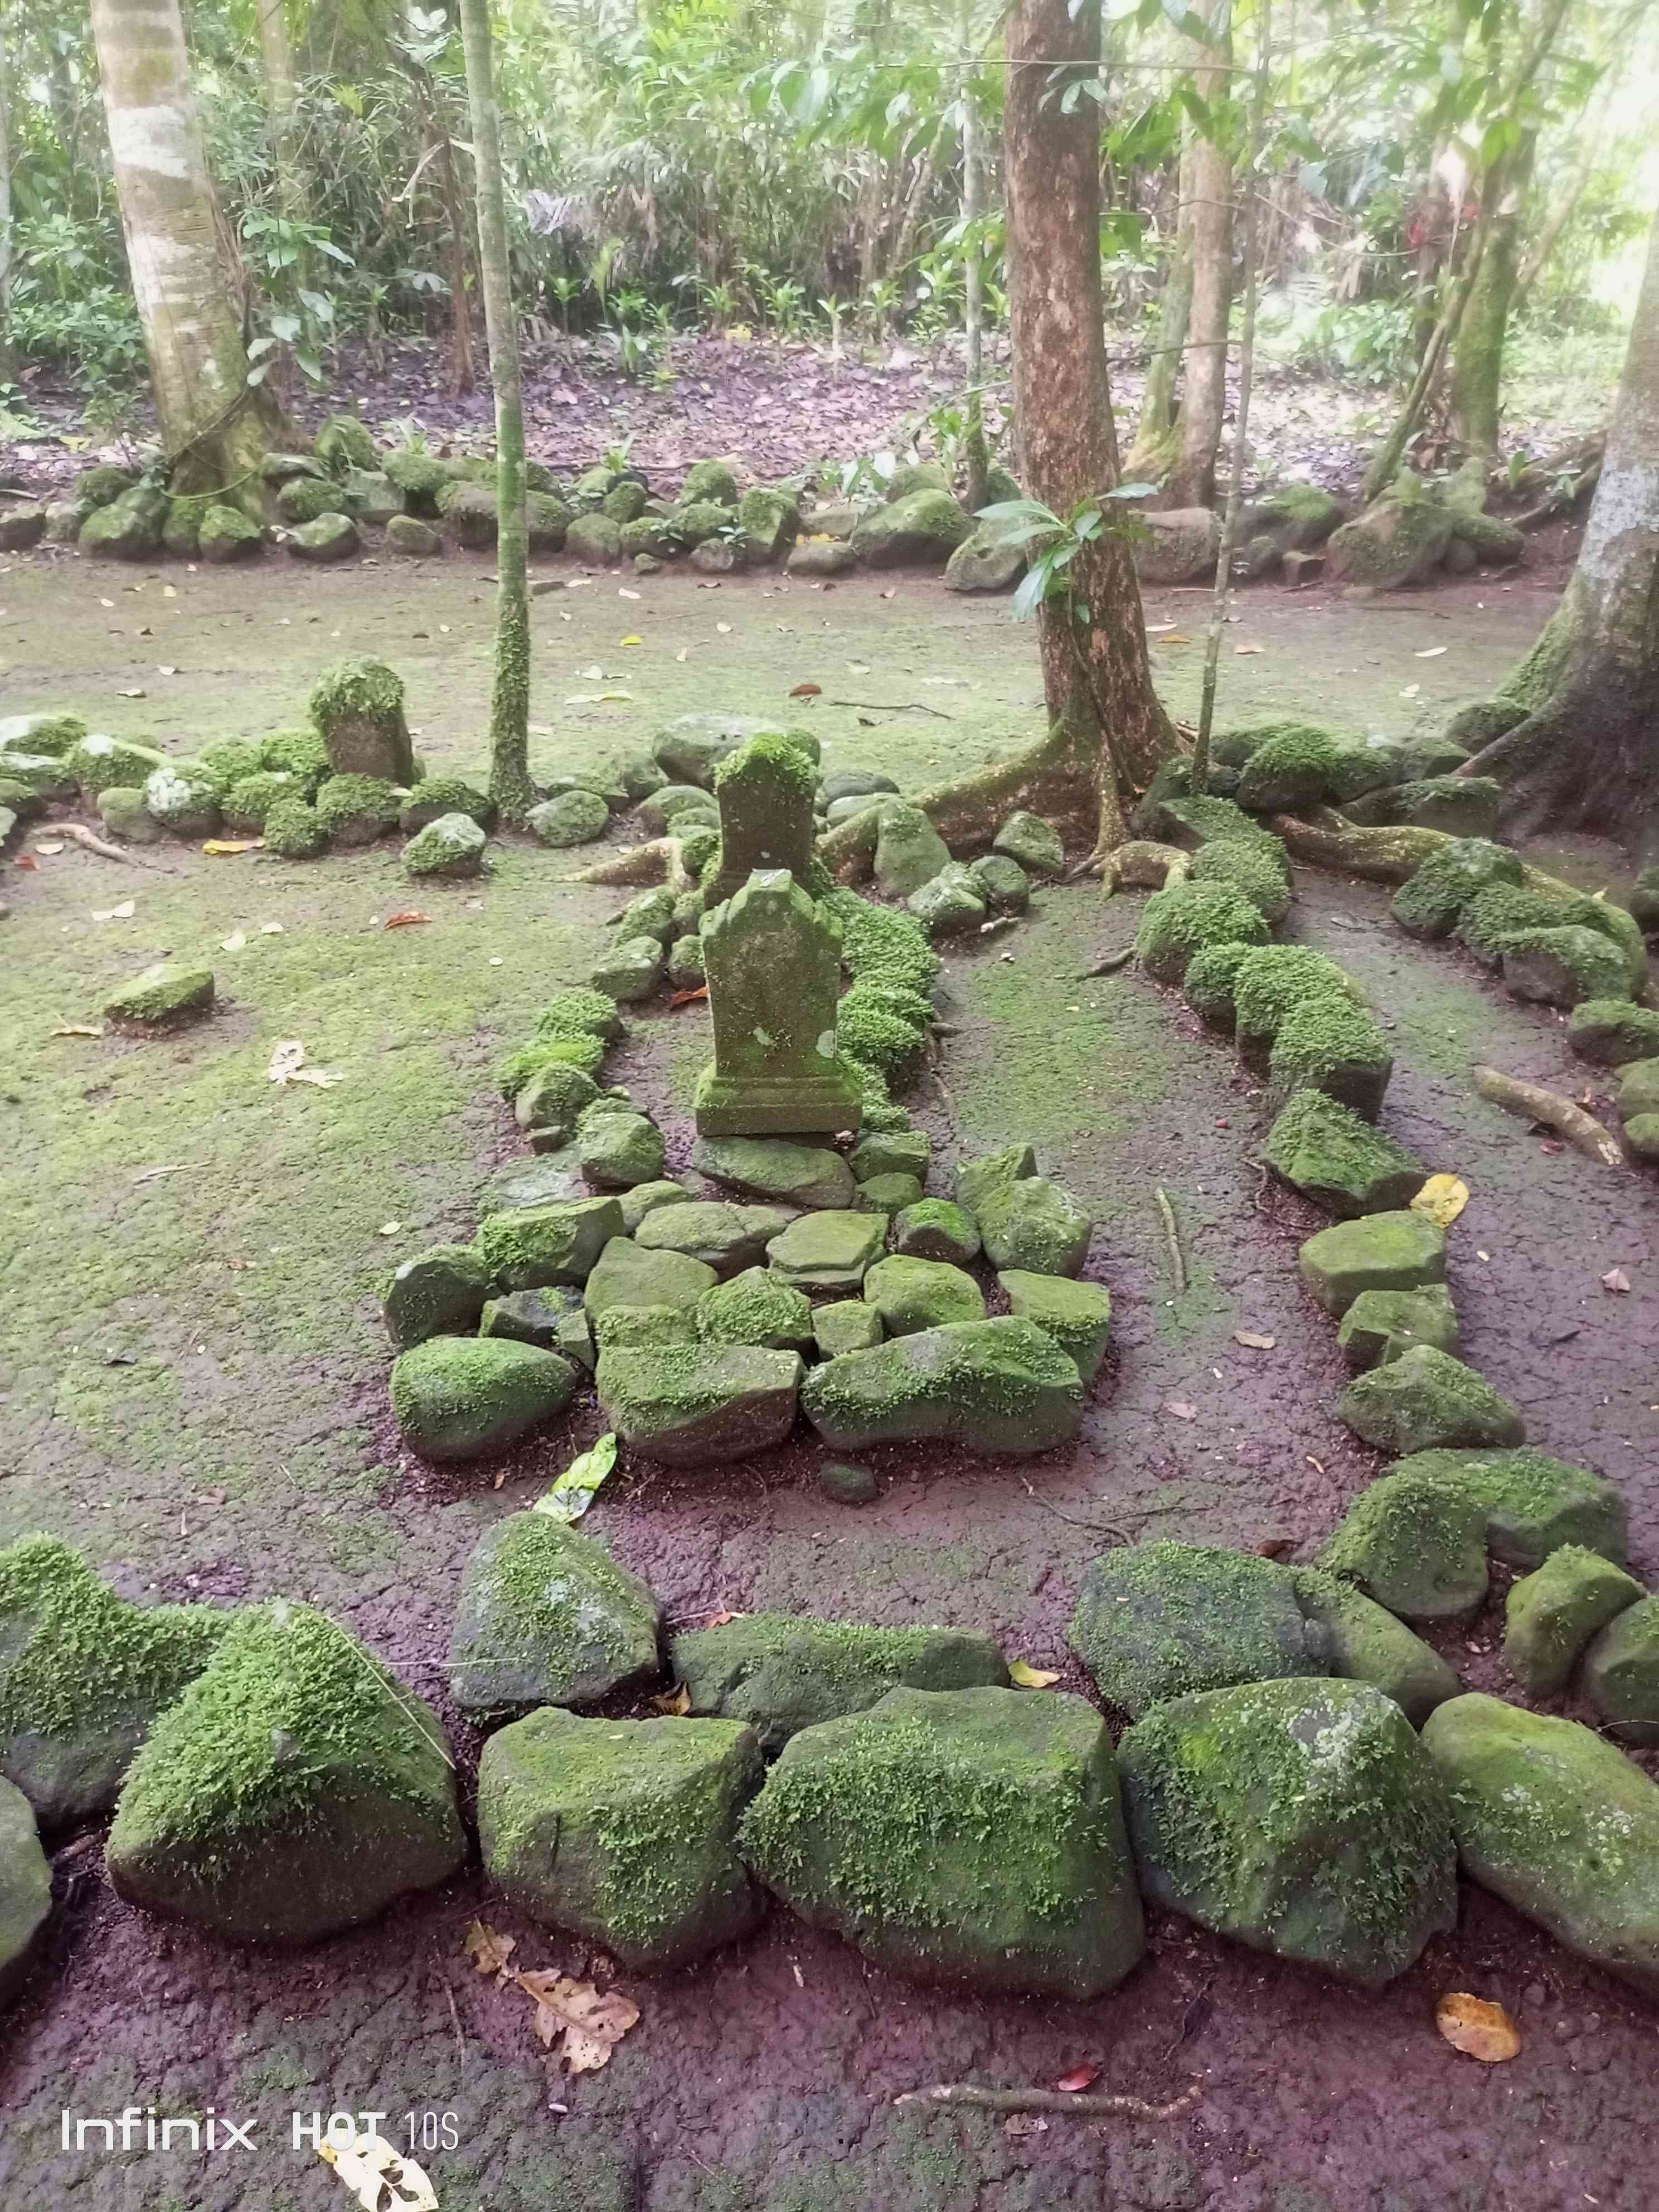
{"points": [[1533, 1103], [1093, 1527], [903, 706], [1110, 965], [82, 836], [1051, 2100], [1172, 1237]]}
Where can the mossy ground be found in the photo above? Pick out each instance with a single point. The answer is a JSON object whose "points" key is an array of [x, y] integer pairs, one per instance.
{"points": [[242, 1288]]}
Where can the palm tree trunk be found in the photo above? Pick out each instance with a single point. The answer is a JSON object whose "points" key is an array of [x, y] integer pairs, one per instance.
{"points": [[1191, 482], [510, 786], [216, 428]]}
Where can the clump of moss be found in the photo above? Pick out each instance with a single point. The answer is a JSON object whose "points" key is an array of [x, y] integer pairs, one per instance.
{"points": [[1429, 903], [881, 944], [50, 737], [783, 759], [1506, 909], [1185, 917], [299, 753], [164, 997], [368, 688], [355, 810], [1290, 766], [1271, 980], [438, 795], [306, 499], [227, 761], [1263, 878], [249, 801], [101, 764], [520, 1068], [578, 1012], [1211, 979], [1327, 1044], [866, 1032], [295, 830]]}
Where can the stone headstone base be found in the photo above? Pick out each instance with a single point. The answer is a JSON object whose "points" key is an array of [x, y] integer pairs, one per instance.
{"points": [[774, 1106]]}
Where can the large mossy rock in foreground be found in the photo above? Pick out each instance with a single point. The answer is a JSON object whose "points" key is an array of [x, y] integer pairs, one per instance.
{"points": [[1380, 1252], [294, 1789], [1002, 1387], [699, 1405], [624, 1832], [970, 1836], [459, 1397], [1301, 1818], [1155, 1621], [1335, 1157], [25, 1889], [547, 1617], [1559, 1824], [83, 1675], [781, 1673]]}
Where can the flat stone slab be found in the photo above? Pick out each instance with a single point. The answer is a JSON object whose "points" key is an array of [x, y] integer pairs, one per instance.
{"points": [[631, 1273], [916, 1294], [771, 1167], [1380, 1252], [699, 1405], [728, 1238], [827, 1251], [1001, 1387]]}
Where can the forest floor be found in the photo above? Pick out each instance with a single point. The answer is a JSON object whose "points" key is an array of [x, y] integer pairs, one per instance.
{"points": [[192, 1389]]}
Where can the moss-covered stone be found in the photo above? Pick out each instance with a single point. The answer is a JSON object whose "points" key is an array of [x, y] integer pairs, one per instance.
{"points": [[25, 1891], [951, 903], [1639, 1089], [293, 1790], [921, 529], [1034, 1225], [1560, 967], [773, 1167], [1179, 921], [295, 830], [575, 817], [970, 1836], [908, 1151], [1611, 1032], [888, 1194], [128, 528], [1401, 1251], [1211, 980], [1380, 1325], [164, 997], [1620, 1675], [300, 754], [1327, 1044], [331, 538], [1264, 880], [1416, 1543], [1003, 882], [618, 1150], [438, 795], [1363, 1641], [184, 802], [725, 1237], [631, 969], [909, 851], [529, 1247], [1551, 1615], [120, 809], [1272, 979], [911, 1294], [83, 1675], [419, 476], [699, 1405], [1034, 843], [1158, 1620], [250, 799], [547, 1617], [1507, 910], [1394, 542], [460, 1397], [845, 1325], [1335, 1157], [1431, 901], [1559, 1824], [303, 499], [827, 1251], [1642, 1136], [881, 944], [99, 760], [1001, 1387], [439, 1292], [623, 1832], [1532, 1504], [934, 1229], [452, 846], [713, 481], [630, 1328], [355, 810], [756, 1307], [1289, 768], [346, 442], [1425, 1401], [543, 1317], [357, 709]]}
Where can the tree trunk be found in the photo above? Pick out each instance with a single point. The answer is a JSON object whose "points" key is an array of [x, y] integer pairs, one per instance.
{"points": [[510, 786], [1156, 445], [1478, 362], [5, 195], [215, 426], [1543, 246], [976, 451], [1584, 757], [277, 50], [1191, 482], [1434, 225]]}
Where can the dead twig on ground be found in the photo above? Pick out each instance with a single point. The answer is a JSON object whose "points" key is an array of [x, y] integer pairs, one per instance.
{"points": [[1108, 966], [1051, 2100], [78, 832], [1172, 1237], [1093, 1527], [903, 706], [1533, 1103]]}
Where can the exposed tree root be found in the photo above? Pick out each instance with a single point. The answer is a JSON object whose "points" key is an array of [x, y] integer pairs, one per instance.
{"points": [[1533, 1103], [1051, 2100], [80, 835], [1387, 855], [1144, 865], [661, 861], [1172, 1237]]}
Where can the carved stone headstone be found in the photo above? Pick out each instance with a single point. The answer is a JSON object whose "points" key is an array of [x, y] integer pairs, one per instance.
{"points": [[765, 794], [773, 960]]}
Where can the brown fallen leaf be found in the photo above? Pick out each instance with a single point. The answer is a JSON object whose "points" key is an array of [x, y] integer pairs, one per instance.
{"points": [[1615, 1279], [27, 863], [1024, 2123], [688, 998], [222, 848], [1024, 1676], [407, 920], [676, 1704], [1275, 1547], [1180, 1409], [807, 691], [1477, 2028], [488, 1951], [591, 2026], [719, 1620], [1079, 2079], [1252, 1342]]}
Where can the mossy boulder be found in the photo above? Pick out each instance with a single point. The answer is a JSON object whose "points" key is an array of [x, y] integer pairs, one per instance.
{"points": [[909, 851], [1401, 1251], [1290, 767], [25, 1891], [595, 539], [357, 709], [1300, 1818], [631, 969], [630, 1274], [521, 1068], [415, 540], [1560, 967], [185, 802], [912, 1294], [1429, 902], [1506, 910], [226, 535], [83, 1676], [578, 1009], [914, 476], [99, 760], [1380, 1325], [1034, 843], [292, 1790], [618, 1150], [547, 1617], [1212, 979], [641, 1328], [164, 996], [1611, 1032], [1532, 1504], [1620, 1675], [121, 809], [331, 538], [827, 1251], [1416, 1544], [726, 1237], [438, 795], [250, 799], [1003, 882], [303, 499], [300, 754], [1001, 1387], [1425, 1401], [43, 737], [921, 529], [439, 1292], [1158, 1620], [1363, 1641], [1262, 876], [779, 1673], [1394, 542], [1559, 1824], [623, 1832], [419, 476], [979, 1180], [452, 846], [770, 520], [346, 442], [967, 1835], [552, 1318], [1330, 1045], [1551, 1615], [950, 904], [1335, 1157], [355, 810], [575, 817], [713, 481], [773, 1168], [908, 1151], [1171, 544], [295, 830], [1177, 922], [529, 1247], [989, 561], [1077, 1316], [755, 1307], [845, 1325], [932, 1229], [129, 528], [461, 1397], [699, 1405], [1036, 1225], [1639, 1089]]}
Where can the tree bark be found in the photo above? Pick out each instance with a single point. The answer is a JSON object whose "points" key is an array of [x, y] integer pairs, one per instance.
{"points": [[215, 426], [1478, 360], [1585, 756], [510, 786], [1191, 482], [276, 49], [976, 451], [5, 193], [1156, 443]]}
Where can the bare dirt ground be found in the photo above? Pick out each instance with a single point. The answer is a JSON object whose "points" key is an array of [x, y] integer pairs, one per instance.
{"points": [[192, 1387]]}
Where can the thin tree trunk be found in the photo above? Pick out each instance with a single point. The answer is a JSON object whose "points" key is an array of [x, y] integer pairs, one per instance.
{"points": [[1436, 226], [5, 192], [920, 185], [276, 48], [1477, 364], [1155, 443], [462, 365], [976, 451], [1191, 482], [510, 786], [1584, 757], [1543, 246], [215, 426]]}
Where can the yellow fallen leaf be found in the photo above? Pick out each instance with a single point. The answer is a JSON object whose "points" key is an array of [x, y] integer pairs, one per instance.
{"points": [[1443, 1198], [488, 1951], [271, 929], [1429, 653], [1477, 2028], [220, 847], [1174, 637], [591, 2026], [381, 2179], [680, 655], [1024, 1676], [632, 640], [675, 1705], [78, 1029], [622, 593], [604, 696], [725, 628]]}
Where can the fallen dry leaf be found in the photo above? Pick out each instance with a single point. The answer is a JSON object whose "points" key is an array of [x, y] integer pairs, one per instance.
{"points": [[1252, 1342], [388, 1229], [488, 1951], [288, 1066], [632, 640], [381, 2179], [591, 2026], [1249, 649], [78, 1029], [124, 912], [1441, 1198], [27, 863], [408, 920], [271, 929], [622, 593], [1180, 1409], [719, 1620], [222, 847], [688, 998], [807, 691], [674, 1703], [234, 942], [1024, 2123], [1024, 1676], [1429, 653], [51, 847], [1079, 2079], [725, 628], [1615, 1279], [1477, 2028]]}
